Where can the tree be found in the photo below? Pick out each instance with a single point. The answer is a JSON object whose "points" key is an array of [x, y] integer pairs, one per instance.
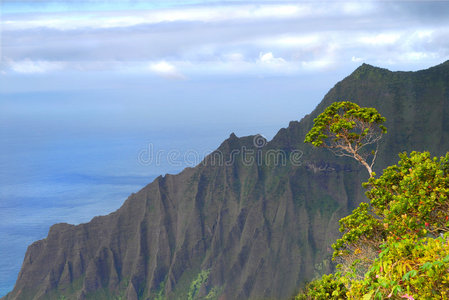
{"points": [[347, 130]]}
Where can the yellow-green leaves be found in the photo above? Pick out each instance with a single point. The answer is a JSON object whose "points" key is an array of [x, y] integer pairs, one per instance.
{"points": [[344, 116], [330, 286], [411, 197], [406, 226]]}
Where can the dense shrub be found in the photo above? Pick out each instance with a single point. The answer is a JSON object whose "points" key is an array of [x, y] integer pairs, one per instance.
{"points": [[397, 246]]}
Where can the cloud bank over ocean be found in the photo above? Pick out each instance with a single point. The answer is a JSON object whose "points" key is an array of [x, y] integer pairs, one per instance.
{"points": [[200, 38]]}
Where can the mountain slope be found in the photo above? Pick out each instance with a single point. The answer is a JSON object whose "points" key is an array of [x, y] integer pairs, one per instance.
{"points": [[254, 220]]}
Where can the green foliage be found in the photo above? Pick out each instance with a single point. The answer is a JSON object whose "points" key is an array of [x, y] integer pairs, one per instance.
{"points": [[346, 129], [413, 267], [340, 121], [213, 294], [398, 245], [409, 199], [327, 287], [160, 292], [197, 283], [412, 197], [361, 227]]}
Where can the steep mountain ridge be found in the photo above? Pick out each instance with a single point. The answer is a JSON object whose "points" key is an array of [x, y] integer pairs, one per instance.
{"points": [[256, 217]]}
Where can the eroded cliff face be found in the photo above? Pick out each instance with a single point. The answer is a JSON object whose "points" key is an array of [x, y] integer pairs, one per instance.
{"points": [[256, 218]]}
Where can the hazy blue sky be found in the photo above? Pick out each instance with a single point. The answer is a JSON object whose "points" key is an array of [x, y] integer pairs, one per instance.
{"points": [[86, 85]]}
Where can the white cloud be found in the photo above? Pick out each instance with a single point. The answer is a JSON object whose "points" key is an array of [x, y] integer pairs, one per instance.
{"points": [[234, 57], [424, 33], [35, 67], [315, 65], [279, 11], [166, 70], [415, 55], [380, 39], [356, 8], [102, 19], [356, 59], [70, 20], [296, 41], [269, 59]]}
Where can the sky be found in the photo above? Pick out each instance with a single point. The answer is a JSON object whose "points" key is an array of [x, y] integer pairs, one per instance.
{"points": [[86, 86], [182, 40]]}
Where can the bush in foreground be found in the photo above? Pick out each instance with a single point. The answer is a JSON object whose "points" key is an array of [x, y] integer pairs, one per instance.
{"points": [[397, 246]]}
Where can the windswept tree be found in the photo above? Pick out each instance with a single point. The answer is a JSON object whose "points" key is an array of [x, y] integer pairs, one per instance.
{"points": [[348, 130]]}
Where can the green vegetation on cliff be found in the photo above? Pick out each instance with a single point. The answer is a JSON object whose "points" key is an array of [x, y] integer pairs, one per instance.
{"points": [[397, 246]]}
